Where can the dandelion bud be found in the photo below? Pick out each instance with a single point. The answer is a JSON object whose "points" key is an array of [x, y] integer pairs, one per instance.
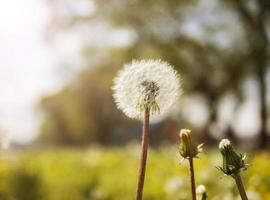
{"points": [[233, 163], [201, 192], [187, 149]]}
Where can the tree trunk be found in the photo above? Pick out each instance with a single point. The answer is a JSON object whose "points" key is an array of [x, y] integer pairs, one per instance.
{"points": [[261, 71], [207, 137]]}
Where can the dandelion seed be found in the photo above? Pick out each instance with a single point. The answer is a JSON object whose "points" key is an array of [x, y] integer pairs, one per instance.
{"points": [[152, 84]]}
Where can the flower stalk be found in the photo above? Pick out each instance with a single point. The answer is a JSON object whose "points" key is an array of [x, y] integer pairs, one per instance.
{"points": [[192, 179], [240, 186], [204, 196], [143, 155]]}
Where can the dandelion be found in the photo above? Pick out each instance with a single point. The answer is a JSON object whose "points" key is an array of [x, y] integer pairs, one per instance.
{"points": [[233, 164], [152, 84], [144, 88]]}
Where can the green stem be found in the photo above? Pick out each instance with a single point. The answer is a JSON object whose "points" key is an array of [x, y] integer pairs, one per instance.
{"points": [[192, 179], [240, 186], [143, 155], [204, 196]]}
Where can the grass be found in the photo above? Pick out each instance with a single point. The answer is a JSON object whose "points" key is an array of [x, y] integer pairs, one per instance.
{"points": [[111, 174]]}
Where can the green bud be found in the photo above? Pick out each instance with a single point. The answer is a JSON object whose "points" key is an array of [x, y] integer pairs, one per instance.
{"points": [[187, 149], [233, 163]]}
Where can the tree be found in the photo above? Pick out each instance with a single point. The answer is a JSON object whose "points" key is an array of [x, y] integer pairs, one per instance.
{"points": [[157, 31], [83, 112], [255, 18]]}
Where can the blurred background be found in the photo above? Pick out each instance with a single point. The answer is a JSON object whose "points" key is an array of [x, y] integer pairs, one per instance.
{"points": [[66, 138]]}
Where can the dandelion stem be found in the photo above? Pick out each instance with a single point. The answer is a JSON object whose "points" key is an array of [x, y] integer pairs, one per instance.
{"points": [[204, 196], [240, 186], [143, 154], [192, 179]]}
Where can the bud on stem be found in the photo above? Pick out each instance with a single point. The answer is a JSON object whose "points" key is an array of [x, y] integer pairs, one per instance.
{"points": [[233, 165], [189, 151]]}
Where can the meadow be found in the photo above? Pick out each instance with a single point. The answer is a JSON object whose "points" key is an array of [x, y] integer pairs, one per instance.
{"points": [[98, 173]]}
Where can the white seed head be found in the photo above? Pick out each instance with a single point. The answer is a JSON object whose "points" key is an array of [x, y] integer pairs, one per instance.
{"points": [[146, 83], [224, 143], [200, 189]]}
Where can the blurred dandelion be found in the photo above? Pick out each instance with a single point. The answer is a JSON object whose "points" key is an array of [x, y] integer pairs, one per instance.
{"points": [[201, 192], [200, 189], [141, 89]]}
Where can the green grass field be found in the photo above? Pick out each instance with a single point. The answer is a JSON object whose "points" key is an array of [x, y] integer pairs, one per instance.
{"points": [[111, 174]]}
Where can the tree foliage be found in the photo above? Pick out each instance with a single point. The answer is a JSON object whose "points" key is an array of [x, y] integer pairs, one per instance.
{"points": [[230, 44]]}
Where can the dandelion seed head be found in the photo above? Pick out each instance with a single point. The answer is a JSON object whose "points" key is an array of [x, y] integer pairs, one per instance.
{"points": [[146, 83]]}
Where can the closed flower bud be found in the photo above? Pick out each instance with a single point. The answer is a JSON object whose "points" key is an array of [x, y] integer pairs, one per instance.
{"points": [[201, 192], [233, 163], [187, 149]]}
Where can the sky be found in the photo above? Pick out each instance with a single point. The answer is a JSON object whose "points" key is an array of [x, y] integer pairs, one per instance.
{"points": [[26, 66]]}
